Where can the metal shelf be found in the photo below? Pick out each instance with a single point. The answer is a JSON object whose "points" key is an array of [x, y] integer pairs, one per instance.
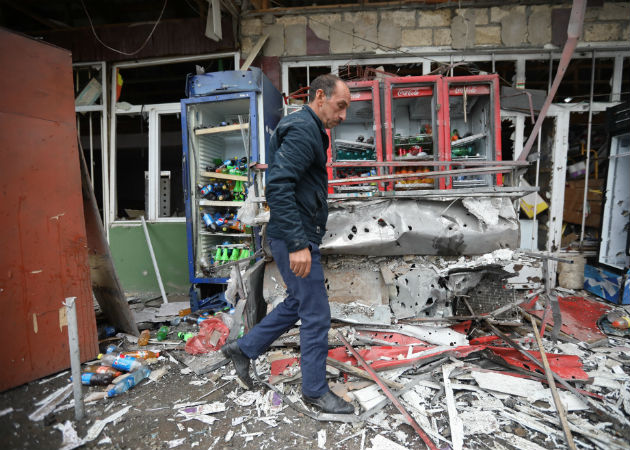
{"points": [[413, 158], [239, 235]]}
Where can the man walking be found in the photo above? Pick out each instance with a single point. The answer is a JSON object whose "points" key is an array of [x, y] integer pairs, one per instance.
{"points": [[296, 192]]}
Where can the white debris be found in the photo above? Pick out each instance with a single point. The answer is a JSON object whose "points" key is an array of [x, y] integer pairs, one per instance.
{"points": [[70, 438], [479, 422], [321, 438], [105, 440], [157, 374], [49, 403], [188, 404], [506, 384], [380, 442], [368, 397], [192, 411], [519, 442], [176, 442], [6, 411], [99, 425], [209, 420], [248, 398], [228, 435], [185, 371], [434, 335], [198, 382], [457, 427], [239, 420]]}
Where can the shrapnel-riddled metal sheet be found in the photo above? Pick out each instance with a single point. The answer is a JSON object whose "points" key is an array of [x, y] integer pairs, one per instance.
{"points": [[390, 227]]}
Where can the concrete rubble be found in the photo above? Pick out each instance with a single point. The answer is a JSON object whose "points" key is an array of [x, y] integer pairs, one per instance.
{"points": [[457, 380]]}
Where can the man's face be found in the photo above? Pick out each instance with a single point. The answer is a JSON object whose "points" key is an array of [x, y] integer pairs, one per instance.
{"points": [[333, 109]]}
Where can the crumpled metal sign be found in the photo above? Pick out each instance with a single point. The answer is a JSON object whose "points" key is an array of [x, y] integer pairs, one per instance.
{"points": [[393, 227]]}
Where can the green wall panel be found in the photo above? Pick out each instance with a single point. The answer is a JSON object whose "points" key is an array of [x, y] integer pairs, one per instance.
{"points": [[133, 260]]}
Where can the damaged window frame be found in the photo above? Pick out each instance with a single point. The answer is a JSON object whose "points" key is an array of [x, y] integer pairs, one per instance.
{"points": [[99, 107], [153, 111]]}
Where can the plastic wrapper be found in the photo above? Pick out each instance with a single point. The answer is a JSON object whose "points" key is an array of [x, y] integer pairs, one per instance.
{"points": [[212, 335], [247, 212]]}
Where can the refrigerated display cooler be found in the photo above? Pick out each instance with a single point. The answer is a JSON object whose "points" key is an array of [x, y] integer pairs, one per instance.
{"points": [[227, 121], [413, 129], [357, 142], [472, 126]]}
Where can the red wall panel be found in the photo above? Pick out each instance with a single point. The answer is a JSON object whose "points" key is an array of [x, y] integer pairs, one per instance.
{"points": [[43, 246]]}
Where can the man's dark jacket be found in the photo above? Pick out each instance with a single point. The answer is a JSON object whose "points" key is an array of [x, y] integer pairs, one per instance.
{"points": [[297, 181]]}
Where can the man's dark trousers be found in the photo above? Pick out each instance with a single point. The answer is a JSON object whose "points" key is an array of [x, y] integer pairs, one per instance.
{"points": [[306, 300]]}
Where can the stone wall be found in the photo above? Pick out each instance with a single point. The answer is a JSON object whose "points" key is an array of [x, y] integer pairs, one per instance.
{"points": [[370, 31]]}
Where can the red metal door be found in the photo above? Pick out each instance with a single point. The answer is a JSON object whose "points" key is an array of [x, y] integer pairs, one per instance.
{"points": [[424, 95], [361, 93], [43, 242], [480, 94]]}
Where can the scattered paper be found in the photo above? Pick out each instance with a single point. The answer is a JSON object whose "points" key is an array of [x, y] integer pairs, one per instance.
{"points": [[321, 438], [70, 438], [99, 425], [380, 442], [175, 442]]}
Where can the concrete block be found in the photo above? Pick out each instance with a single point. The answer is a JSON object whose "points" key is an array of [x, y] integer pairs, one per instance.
{"points": [[441, 18], [364, 37], [295, 39], [389, 34], [251, 27], [402, 18], [291, 20], [442, 37], [514, 30], [539, 27], [498, 13], [275, 44], [488, 35], [462, 33], [600, 32], [340, 40], [478, 16], [416, 38], [615, 11], [361, 18], [320, 24]]}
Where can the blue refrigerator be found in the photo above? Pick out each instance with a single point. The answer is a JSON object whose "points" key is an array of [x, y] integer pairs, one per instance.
{"points": [[227, 121]]}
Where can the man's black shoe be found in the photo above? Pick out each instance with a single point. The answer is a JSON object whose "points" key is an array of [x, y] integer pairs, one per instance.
{"points": [[240, 361], [330, 403]]}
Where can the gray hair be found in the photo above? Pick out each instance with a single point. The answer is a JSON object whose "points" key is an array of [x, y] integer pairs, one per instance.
{"points": [[326, 83]]}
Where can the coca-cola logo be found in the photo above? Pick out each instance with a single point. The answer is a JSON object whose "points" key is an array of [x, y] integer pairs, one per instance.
{"points": [[412, 92], [408, 92]]}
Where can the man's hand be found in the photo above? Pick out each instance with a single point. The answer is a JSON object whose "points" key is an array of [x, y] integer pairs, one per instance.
{"points": [[300, 262]]}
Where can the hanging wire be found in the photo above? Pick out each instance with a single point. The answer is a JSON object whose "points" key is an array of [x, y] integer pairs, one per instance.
{"points": [[146, 41]]}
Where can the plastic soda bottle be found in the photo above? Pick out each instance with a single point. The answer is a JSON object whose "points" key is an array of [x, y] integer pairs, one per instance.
{"points": [[96, 379], [102, 369], [141, 354], [126, 364], [129, 381], [162, 333], [144, 338], [622, 322], [185, 336]]}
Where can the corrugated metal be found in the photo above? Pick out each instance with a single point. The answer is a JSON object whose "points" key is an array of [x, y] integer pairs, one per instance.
{"points": [[43, 242]]}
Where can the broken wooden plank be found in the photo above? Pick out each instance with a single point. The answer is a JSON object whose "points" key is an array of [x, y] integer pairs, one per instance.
{"points": [[554, 391]]}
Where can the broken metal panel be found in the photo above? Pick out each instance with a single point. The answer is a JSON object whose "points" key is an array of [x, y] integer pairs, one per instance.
{"points": [[421, 227], [418, 291]]}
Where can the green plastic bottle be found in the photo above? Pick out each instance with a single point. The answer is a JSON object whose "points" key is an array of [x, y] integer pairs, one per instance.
{"points": [[162, 333]]}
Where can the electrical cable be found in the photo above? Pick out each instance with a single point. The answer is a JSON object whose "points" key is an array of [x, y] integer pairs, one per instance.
{"points": [[146, 41]]}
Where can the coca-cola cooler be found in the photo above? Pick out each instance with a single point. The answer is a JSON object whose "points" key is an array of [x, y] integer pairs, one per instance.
{"points": [[414, 138], [356, 144], [472, 130]]}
